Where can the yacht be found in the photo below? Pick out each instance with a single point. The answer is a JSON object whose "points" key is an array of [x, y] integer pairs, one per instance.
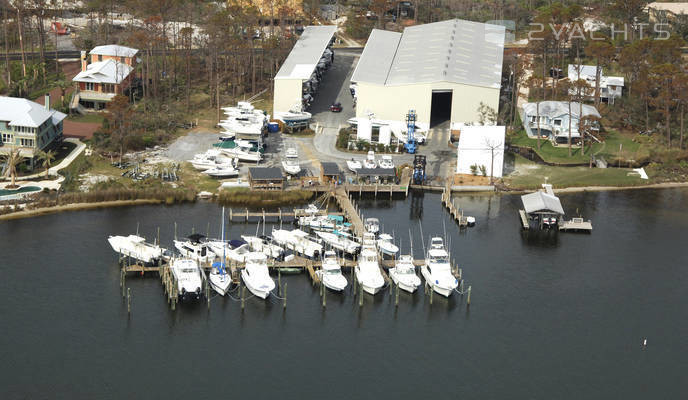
{"points": [[294, 116], [136, 247], [256, 276], [339, 242], [372, 225], [291, 162], [331, 272], [436, 270], [241, 150], [210, 159], [234, 250], [187, 274], [369, 162], [404, 274], [368, 270], [195, 248], [385, 243], [386, 162], [354, 165], [264, 245], [298, 242]]}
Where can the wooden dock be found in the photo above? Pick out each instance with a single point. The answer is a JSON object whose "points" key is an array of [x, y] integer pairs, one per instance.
{"points": [[524, 219], [279, 214], [576, 225], [454, 211], [343, 200]]}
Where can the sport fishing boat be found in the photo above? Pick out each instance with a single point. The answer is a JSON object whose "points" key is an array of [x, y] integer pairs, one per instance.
{"points": [[295, 115], [338, 242], [369, 162], [136, 247], [210, 159], [331, 272], [368, 269], [385, 243], [319, 222], [386, 162], [264, 245], [436, 270], [256, 276], [244, 151], [227, 171], [187, 274], [403, 274], [298, 241], [291, 162], [372, 225], [195, 248]]}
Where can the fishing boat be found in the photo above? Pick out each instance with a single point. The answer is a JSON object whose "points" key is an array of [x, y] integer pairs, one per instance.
{"points": [[187, 274], [403, 274], [210, 159], [238, 183], [368, 270], [386, 162], [369, 162], [331, 272], [294, 116], [195, 248], [436, 270], [291, 162], [264, 245], [239, 149], [256, 276], [226, 171], [338, 242], [318, 222], [385, 243], [136, 247], [372, 225], [297, 241], [354, 165]]}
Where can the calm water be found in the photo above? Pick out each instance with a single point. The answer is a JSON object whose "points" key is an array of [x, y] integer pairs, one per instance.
{"points": [[559, 318]]}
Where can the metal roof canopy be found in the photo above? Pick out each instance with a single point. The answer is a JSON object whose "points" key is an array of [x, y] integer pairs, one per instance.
{"points": [[541, 202], [386, 172], [265, 173], [377, 57], [330, 169], [307, 51]]}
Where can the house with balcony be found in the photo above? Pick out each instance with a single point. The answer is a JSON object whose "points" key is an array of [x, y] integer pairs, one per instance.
{"points": [[611, 87], [554, 120], [28, 126], [111, 71]]}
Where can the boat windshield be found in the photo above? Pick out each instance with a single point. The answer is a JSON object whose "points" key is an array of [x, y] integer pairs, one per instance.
{"points": [[439, 260], [332, 271], [188, 270]]}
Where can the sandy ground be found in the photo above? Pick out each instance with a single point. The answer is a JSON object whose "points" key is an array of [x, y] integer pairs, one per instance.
{"points": [[75, 207], [184, 148]]}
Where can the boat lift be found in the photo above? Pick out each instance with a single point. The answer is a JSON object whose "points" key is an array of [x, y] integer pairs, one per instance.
{"points": [[410, 144]]}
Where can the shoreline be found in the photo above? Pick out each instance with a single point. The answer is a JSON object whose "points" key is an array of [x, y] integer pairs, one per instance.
{"points": [[76, 207]]}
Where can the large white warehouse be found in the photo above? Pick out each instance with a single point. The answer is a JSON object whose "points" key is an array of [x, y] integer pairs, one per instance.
{"points": [[443, 70], [300, 66]]}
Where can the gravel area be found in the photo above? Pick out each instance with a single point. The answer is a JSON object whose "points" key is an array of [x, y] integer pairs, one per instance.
{"points": [[187, 146]]}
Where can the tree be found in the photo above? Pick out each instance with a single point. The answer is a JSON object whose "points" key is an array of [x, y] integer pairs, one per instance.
{"points": [[493, 146], [486, 114], [681, 83], [627, 11], [47, 157], [662, 77], [19, 7], [118, 117], [602, 51], [11, 160]]}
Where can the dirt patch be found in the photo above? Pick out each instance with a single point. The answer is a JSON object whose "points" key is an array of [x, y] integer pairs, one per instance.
{"points": [[81, 130], [470, 180]]}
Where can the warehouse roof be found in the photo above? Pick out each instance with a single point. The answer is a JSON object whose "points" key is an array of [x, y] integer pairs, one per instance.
{"points": [[455, 50], [541, 201], [307, 52], [263, 173], [377, 57]]}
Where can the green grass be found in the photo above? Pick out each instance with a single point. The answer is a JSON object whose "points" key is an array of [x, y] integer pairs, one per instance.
{"points": [[530, 175], [89, 117], [263, 198]]}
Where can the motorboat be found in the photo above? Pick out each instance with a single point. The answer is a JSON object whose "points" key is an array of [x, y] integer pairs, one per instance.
{"points": [[338, 242], [222, 172], [234, 250], [238, 149], [318, 222], [195, 247], [331, 272], [436, 270], [385, 243], [403, 274], [369, 162], [136, 247], [187, 275], [471, 221], [264, 245], [372, 225], [238, 183], [298, 241], [210, 159], [296, 115], [547, 222], [291, 162], [368, 270], [354, 165], [256, 276], [386, 162]]}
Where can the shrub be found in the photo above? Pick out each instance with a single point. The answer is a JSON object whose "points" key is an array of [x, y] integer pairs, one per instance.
{"points": [[483, 170], [474, 169]]}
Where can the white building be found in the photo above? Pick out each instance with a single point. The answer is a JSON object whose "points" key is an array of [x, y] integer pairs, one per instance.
{"points": [[554, 119], [442, 70], [110, 72], [611, 87], [300, 67], [481, 146]]}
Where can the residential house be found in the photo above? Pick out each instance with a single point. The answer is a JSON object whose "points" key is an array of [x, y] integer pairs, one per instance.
{"points": [[664, 12], [611, 87], [554, 120], [111, 71], [28, 126]]}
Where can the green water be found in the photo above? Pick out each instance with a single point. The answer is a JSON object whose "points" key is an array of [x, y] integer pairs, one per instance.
{"points": [[25, 189]]}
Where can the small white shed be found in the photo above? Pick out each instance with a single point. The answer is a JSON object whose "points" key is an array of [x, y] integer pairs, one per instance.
{"points": [[481, 146]]}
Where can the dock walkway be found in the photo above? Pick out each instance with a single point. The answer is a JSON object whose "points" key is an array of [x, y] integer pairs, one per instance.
{"points": [[341, 196]]}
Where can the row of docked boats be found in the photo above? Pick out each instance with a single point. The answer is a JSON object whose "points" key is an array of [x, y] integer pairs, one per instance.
{"points": [[370, 162]]}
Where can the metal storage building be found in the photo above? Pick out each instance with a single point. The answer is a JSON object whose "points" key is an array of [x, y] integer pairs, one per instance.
{"points": [[442, 70], [299, 66]]}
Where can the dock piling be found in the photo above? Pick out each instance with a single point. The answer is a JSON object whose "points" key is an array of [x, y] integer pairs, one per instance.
{"points": [[468, 300], [360, 295], [128, 300], [284, 305], [396, 297]]}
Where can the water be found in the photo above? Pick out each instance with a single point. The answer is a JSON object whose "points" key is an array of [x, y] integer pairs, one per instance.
{"points": [[556, 317]]}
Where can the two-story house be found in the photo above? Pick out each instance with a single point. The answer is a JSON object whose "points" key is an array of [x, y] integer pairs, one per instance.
{"points": [[554, 120], [611, 87], [111, 71], [28, 126]]}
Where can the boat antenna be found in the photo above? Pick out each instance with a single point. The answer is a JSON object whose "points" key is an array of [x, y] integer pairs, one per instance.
{"points": [[444, 227], [222, 262], [258, 227], [137, 228], [422, 240], [263, 228]]}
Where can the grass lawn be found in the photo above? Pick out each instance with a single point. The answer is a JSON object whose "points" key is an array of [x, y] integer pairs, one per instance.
{"points": [[189, 177], [530, 175], [88, 117]]}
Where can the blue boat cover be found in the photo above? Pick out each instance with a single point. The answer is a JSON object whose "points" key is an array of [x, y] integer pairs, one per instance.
{"points": [[236, 243]]}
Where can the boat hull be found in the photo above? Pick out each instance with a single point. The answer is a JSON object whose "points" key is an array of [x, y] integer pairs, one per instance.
{"points": [[405, 286], [444, 291], [258, 292], [220, 285]]}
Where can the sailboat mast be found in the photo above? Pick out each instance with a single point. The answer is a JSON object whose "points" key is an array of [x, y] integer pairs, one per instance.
{"points": [[222, 262]]}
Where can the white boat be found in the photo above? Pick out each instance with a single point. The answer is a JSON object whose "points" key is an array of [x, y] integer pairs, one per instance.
{"points": [[436, 270], [354, 165], [244, 126], [471, 221], [210, 159], [403, 274], [319, 222], [386, 162], [256, 276], [372, 225], [227, 171], [339, 242], [331, 272], [385, 243], [368, 270], [298, 242], [234, 250], [136, 247], [187, 274], [239, 183], [291, 162], [218, 277], [243, 154], [295, 115], [195, 248], [264, 245], [369, 162]]}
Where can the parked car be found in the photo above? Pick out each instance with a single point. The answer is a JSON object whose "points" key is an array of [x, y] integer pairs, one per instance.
{"points": [[336, 107]]}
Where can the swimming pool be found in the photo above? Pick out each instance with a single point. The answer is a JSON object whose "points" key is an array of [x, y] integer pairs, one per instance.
{"points": [[7, 194]]}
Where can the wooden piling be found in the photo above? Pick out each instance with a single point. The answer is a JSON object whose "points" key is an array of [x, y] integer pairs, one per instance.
{"points": [[396, 297], [360, 295], [285, 296], [431, 292], [129, 300], [468, 300]]}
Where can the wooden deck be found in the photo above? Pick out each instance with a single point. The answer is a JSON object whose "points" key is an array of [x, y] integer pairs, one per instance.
{"points": [[524, 219], [454, 211], [341, 196], [279, 214], [576, 225]]}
